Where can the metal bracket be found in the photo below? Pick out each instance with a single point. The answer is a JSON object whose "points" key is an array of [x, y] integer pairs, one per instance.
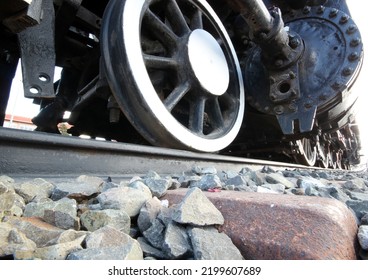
{"points": [[37, 45]]}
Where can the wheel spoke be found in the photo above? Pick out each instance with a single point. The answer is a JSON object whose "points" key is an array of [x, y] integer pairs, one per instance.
{"points": [[197, 21], [176, 95], [196, 115], [215, 114], [159, 62], [176, 18], [163, 33]]}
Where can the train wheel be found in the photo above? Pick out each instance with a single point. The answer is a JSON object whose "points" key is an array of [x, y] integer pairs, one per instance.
{"points": [[174, 72], [324, 158], [307, 152]]}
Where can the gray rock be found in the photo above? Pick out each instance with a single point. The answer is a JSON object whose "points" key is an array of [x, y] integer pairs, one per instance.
{"points": [[34, 190], [363, 237], [108, 237], [359, 207], [13, 240], [339, 194], [209, 244], [258, 177], [176, 242], [364, 220], [276, 188], [357, 184], [159, 186], [209, 170], [61, 213], [358, 195], [127, 199], [11, 204], [35, 229], [196, 209], [186, 180], [276, 178], [131, 251], [150, 251], [78, 190], [208, 181], [155, 234], [237, 181], [59, 251], [148, 213], [95, 219]]}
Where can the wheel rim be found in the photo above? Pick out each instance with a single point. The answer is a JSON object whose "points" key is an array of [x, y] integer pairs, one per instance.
{"points": [[174, 95], [325, 157], [307, 152]]}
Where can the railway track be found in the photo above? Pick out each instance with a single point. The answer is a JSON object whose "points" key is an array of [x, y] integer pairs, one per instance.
{"points": [[25, 153]]}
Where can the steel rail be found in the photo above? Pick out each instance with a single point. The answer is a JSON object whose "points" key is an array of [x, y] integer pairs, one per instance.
{"points": [[26, 153]]}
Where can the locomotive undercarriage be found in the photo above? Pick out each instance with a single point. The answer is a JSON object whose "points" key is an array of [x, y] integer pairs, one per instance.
{"points": [[265, 79]]}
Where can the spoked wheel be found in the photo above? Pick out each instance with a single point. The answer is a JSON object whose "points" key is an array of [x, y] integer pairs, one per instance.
{"points": [[174, 72], [307, 152], [324, 158]]}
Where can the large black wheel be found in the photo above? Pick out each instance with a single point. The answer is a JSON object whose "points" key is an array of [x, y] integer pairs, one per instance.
{"points": [[174, 72]]}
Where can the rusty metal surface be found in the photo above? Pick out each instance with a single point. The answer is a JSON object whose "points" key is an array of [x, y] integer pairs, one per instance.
{"points": [[284, 227]]}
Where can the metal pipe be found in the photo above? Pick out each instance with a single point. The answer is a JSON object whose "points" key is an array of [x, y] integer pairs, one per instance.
{"points": [[255, 14]]}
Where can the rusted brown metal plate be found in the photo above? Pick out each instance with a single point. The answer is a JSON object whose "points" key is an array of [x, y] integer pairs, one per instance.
{"points": [[284, 227]]}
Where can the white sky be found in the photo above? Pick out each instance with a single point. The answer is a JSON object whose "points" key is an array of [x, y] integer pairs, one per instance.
{"points": [[20, 106]]}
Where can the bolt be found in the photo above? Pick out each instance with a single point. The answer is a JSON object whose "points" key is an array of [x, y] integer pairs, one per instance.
{"points": [[293, 107], [272, 80], [308, 105], [266, 109], [353, 56], [273, 97], [279, 62], [336, 85], [351, 29], [292, 75], [279, 109], [344, 19], [294, 42], [347, 71], [293, 93], [306, 10], [333, 13], [355, 42], [321, 9]]}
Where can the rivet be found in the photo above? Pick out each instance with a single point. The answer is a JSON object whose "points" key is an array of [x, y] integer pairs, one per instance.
{"points": [[336, 85], [279, 109], [306, 10], [308, 105], [347, 71], [355, 42], [272, 80], [344, 19], [351, 29], [321, 9], [292, 75], [279, 63], [353, 56], [292, 107], [333, 13]]}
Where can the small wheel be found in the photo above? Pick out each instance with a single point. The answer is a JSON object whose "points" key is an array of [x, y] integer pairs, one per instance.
{"points": [[307, 152], [174, 72]]}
